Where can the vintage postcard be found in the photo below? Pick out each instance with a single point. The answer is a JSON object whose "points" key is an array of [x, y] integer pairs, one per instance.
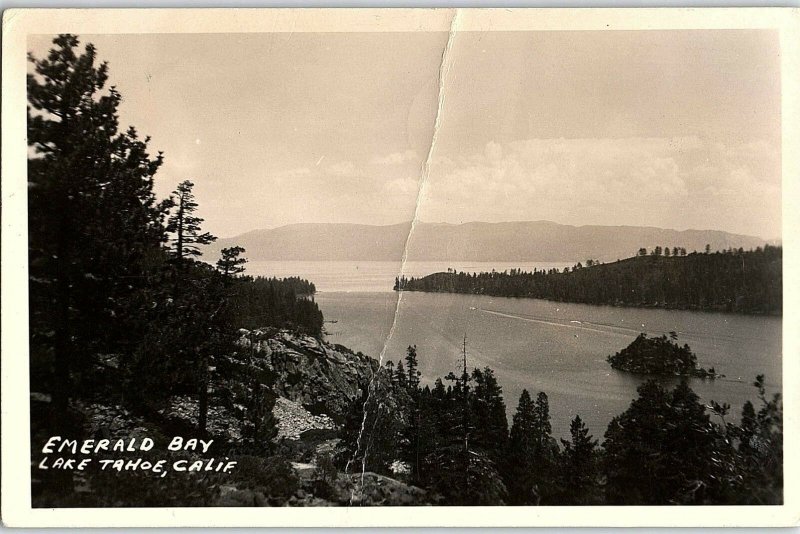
{"points": [[400, 267]]}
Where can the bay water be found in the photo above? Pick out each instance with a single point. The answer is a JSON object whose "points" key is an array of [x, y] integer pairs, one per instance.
{"points": [[559, 348]]}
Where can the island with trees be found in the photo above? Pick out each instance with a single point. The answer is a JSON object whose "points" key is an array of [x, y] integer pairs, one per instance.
{"points": [[659, 355], [733, 280]]}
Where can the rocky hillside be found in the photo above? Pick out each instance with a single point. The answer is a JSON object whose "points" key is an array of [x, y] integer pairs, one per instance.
{"points": [[308, 385], [323, 378]]}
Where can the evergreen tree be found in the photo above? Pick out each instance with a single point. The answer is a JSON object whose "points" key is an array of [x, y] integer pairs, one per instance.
{"points": [[760, 448], [185, 225], [261, 418], [531, 467], [439, 391], [192, 328], [578, 477], [95, 227], [231, 263], [489, 409], [371, 436], [412, 368], [469, 478], [401, 376], [662, 449], [521, 454], [542, 427]]}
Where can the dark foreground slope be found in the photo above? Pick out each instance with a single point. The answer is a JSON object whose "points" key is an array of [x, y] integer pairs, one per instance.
{"points": [[733, 281]]}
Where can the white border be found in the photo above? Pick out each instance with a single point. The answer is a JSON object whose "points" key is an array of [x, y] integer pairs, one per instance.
{"points": [[18, 24]]}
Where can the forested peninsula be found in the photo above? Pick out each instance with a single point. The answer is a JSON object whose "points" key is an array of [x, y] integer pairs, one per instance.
{"points": [[732, 280]]}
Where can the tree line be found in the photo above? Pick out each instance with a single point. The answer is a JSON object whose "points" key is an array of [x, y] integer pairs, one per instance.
{"points": [[733, 280], [666, 448], [114, 272]]}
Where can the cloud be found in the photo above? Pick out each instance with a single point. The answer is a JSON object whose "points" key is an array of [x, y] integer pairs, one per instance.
{"points": [[343, 168], [402, 186], [396, 158], [288, 176], [494, 151], [661, 181]]}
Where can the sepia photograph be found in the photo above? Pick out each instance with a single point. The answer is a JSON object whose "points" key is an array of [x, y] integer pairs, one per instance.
{"points": [[446, 264]]}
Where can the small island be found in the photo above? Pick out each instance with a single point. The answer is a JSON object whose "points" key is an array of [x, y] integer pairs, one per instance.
{"points": [[659, 356]]}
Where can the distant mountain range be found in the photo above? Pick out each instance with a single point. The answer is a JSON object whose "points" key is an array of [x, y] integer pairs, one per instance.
{"points": [[476, 241]]}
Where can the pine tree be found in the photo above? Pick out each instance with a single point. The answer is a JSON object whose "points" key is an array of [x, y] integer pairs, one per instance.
{"points": [[424, 439], [663, 449], [95, 227], [188, 235], [521, 454], [263, 421], [578, 466], [542, 428], [412, 368], [439, 391], [401, 376], [532, 452], [491, 424], [231, 263], [760, 448], [379, 414]]}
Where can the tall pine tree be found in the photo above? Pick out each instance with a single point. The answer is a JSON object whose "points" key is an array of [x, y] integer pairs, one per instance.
{"points": [[412, 368], [521, 454], [95, 227], [532, 452], [489, 409], [578, 475], [185, 225]]}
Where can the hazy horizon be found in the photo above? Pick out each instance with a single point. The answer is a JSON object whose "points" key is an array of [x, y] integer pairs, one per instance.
{"points": [[675, 129], [775, 238]]}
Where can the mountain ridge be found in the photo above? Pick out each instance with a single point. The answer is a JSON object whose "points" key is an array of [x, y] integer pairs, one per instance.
{"points": [[525, 241]]}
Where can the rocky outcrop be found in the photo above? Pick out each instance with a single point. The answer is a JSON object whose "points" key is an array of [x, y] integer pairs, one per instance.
{"points": [[110, 421], [321, 377], [292, 419], [220, 421]]}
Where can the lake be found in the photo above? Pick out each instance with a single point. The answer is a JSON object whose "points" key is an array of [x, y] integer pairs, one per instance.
{"points": [[376, 276], [534, 344]]}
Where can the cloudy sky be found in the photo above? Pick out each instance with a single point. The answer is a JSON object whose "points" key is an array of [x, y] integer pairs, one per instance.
{"points": [[678, 129]]}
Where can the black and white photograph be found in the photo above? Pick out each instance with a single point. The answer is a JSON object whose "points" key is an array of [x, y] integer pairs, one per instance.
{"points": [[447, 264]]}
